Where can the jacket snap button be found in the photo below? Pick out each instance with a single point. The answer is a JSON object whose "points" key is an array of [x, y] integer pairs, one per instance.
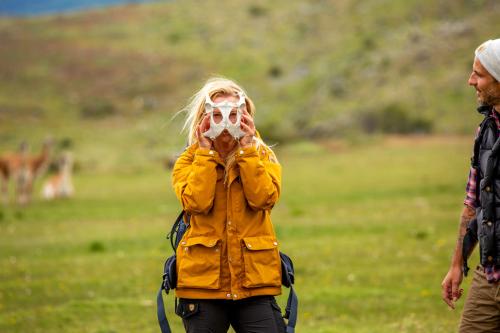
{"points": [[211, 152], [228, 295], [249, 245], [241, 152], [489, 223], [490, 258], [275, 243], [487, 188]]}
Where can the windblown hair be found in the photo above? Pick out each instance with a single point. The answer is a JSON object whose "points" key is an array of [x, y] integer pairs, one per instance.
{"points": [[195, 110]]}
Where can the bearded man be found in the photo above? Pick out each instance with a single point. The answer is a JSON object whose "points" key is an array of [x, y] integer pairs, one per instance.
{"points": [[480, 219]]}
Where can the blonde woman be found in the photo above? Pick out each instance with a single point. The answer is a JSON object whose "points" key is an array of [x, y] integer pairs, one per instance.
{"points": [[228, 180]]}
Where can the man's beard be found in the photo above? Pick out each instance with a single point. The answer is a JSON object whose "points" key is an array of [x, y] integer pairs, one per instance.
{"points": [[491, 96]]}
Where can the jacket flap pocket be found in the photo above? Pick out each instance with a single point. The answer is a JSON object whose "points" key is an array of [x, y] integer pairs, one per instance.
{"points": [[260, 243], [201, 240]]}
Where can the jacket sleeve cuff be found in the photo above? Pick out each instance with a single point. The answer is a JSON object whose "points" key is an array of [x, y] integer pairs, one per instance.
{"points": [[206, 152], [246, 152], [471, 203]]}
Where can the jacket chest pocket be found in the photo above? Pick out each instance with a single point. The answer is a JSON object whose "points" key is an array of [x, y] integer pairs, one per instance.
{"points": [[261, 262], [198, 263]]}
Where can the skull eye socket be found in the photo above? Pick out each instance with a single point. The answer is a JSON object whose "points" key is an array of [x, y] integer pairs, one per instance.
{"points": [[233, 116], [217, 116]]}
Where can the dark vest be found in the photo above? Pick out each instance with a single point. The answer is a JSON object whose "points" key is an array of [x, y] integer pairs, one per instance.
{"points": [[486, 161]]}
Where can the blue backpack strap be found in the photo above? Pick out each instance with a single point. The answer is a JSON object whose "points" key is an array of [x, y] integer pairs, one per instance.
{"points": [[172, 235], [162, 318], [291, 310], [292, 303], [168, 283]]}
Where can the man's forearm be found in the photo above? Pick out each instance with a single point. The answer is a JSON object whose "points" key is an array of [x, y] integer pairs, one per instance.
{"points": [[468, 213]]}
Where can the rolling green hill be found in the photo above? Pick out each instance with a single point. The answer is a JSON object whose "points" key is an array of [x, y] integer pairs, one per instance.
{"points": [[114, 77]]}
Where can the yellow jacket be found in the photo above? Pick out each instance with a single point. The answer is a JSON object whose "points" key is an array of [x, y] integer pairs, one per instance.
{"points": [[230, 250]]}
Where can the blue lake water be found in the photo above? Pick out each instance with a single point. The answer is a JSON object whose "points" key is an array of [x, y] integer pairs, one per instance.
{"points": [[44, 7]]}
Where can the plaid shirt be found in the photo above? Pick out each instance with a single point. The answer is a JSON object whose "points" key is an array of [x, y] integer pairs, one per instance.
{"points": [[471, 200]]}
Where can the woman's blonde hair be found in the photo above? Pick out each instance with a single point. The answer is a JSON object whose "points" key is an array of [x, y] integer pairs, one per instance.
{"points": [[195, 110]]}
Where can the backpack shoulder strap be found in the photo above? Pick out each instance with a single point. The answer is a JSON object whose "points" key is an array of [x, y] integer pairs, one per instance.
{"points": [[169, 271], [167, 284], [292, 303], [160, 312], [171, 235]]}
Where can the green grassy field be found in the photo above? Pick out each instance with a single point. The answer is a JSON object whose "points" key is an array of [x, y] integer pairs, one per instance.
{"points": [[370, 226]]}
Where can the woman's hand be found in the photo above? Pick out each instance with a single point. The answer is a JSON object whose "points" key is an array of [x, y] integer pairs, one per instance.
{"points": [[248, 127], [204, 126]]}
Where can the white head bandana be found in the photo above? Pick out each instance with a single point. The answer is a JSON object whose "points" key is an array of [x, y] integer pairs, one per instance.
{"points": [[225, 108], [488, 54]]}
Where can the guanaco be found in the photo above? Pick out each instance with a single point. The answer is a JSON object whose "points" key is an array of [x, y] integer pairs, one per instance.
{"points": [[60, 185], [23, 169], [14, 166]]}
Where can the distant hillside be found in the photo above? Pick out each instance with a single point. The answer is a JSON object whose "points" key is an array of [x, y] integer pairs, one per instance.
{"points": [[314, 68], [37, 7]]}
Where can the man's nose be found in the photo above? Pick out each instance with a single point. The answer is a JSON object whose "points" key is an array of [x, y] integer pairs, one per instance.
{"points": [[472, 80]]}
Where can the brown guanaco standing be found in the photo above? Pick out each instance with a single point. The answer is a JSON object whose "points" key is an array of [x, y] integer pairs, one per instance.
{"points": [[23, 168]]}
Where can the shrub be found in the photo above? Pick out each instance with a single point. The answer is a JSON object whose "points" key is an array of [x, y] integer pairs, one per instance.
{"points": [[257, 11], [96, 246], [98, 108], [66, 143], [275, 71], [393, 118]]}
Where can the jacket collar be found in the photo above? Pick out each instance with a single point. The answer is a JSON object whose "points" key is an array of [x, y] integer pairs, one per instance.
{"points": [[485, 110]]}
